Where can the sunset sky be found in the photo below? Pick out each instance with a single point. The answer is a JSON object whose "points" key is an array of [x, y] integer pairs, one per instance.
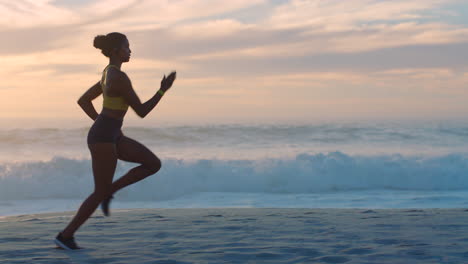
{"points": [[240, 60]]}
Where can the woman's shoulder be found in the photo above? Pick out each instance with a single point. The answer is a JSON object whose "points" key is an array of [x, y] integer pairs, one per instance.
{"points": [[119, 76], [116, 72]]}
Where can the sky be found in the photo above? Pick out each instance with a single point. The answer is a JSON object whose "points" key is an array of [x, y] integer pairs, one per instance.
{"points": [[240, 61]]}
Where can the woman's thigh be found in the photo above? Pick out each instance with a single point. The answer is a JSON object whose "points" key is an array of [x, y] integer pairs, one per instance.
{"points": [[133, 151], [104, 161]]}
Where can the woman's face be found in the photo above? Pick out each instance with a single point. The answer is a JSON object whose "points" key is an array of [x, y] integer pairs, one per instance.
{"points": [[124, 52]]}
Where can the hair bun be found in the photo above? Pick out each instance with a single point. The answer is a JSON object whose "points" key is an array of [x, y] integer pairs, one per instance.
{"points": [[100, 42]]}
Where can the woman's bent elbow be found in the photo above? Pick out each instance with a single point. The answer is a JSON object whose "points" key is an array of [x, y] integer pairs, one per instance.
{"points": [[81, 101], [141, 113]]}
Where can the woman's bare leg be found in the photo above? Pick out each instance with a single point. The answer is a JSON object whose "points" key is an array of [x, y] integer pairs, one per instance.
{"points": [[131, 150], [104, 161]]}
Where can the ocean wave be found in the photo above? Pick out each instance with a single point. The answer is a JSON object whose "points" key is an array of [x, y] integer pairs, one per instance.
{"points": [[319, 133], [63, 178]]}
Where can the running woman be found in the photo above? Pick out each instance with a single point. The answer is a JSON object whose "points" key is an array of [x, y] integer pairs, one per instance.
{"points": [[106, 141]]}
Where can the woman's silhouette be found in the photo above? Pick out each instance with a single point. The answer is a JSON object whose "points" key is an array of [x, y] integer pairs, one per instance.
{"points": [[106, 142]]}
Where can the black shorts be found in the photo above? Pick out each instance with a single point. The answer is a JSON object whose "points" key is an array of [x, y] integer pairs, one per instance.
{"points": [[105, 129]]}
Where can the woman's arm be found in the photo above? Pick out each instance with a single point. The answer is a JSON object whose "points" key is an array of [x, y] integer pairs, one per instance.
{"points": [[87, 97], [142, 109]]}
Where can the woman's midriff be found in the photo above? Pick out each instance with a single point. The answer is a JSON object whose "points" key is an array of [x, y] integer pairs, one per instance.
{"points": [[116, 114]]}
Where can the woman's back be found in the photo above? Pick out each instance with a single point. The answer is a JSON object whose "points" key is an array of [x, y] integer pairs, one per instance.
{"points": [[109, 84]]}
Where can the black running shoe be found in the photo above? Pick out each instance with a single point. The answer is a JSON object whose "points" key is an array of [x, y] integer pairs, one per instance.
{"points": [[105, 206], [67, 244]]}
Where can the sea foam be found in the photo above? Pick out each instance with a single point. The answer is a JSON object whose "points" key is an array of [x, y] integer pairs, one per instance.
{"points": [[65, 178]]}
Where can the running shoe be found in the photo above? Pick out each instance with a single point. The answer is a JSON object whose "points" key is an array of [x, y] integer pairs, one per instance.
{"points": [[67, 244], [105, 206]]}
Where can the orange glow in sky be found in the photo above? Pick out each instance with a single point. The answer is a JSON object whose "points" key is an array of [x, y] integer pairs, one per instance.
{"points": [[241, 60]]}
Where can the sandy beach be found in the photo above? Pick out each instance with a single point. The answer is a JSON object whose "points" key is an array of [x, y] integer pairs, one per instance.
{"points": [[244, 236]]}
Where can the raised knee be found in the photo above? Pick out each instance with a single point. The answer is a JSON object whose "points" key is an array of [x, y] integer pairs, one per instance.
{"points": [[154, 166]]}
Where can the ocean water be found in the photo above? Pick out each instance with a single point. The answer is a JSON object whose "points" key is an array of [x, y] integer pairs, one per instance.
{"points": [[326, 165]]}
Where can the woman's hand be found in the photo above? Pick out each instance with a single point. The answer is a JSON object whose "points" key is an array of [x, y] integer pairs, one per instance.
{"points": [[167, 82]]}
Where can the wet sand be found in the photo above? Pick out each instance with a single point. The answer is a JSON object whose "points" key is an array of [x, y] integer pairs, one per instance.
{"points": [[228, 235]]}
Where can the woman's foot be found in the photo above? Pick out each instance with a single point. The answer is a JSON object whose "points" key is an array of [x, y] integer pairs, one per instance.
{"points": [[105, 206], [66, 243]]}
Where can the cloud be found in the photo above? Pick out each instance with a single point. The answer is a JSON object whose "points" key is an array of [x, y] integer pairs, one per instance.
{"points": [[29, 26], [168, 13], [31, 40], [416, 56], [31, 13], [322, 34], [324, 52], [337, 14], [166, 31]]}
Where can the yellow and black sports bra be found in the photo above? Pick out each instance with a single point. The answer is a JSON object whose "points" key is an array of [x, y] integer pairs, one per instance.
{"points": [[112, 102]]}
